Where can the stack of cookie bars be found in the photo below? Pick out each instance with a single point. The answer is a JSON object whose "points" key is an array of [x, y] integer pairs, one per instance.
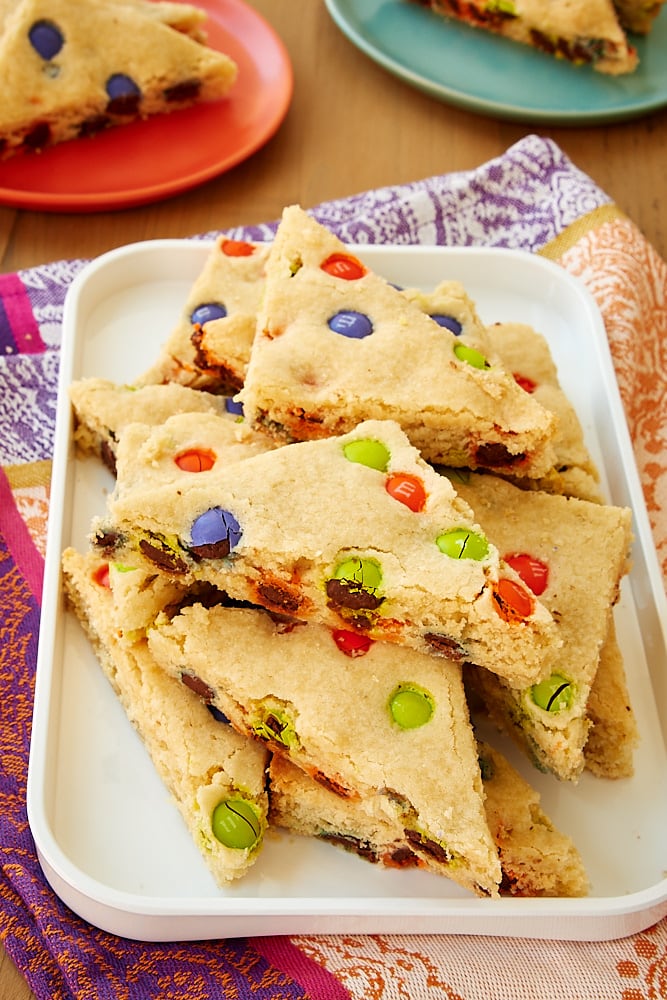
{"points": [[347, 522]]}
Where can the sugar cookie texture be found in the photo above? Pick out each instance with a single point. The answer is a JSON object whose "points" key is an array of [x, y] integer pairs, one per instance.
{"points": [[103, 410], [314, 549], [215, 776], [354, 531], [336, 717], [555, 545], [337, 344], [210, 345], [58, 82], [536, 858]]}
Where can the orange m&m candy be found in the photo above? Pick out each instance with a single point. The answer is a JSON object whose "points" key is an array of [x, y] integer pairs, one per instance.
{"points": [[407, 489], [512, 601], [195, 460], [237, 248], [343, 265]]}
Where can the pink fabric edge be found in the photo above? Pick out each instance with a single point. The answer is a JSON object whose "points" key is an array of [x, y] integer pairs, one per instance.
{"points": [[19, 541], [315, 979], [18, 308]]}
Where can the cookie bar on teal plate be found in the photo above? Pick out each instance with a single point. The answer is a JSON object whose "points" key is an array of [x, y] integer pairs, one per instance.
{"points": [[572, 554], [216, 776], [536, 858], [337, 344], [355, 531]]}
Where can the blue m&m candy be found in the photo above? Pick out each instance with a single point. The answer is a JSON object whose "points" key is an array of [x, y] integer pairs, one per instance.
{"points": [[215, 533], [449, 323], [46, 39], [232, 406], [123, 93], [207, 311], [350, 323]]}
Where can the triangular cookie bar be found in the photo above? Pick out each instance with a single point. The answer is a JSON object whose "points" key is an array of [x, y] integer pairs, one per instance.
{"points": [[613, 735], [354, 531], [638, 15], [215, 775], [215, 355], [180, 16], [210, 345], [58, 82], [337, 344], [103, 409], [381, 725], [525, 353], [573, 554], [535, 857], [581, 31]]}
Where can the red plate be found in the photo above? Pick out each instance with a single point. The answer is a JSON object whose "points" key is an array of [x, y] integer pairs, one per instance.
{"points": [[148, 160]]}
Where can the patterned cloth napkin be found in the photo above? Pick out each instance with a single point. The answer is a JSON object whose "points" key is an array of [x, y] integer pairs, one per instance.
{"points": [[531, 198]]}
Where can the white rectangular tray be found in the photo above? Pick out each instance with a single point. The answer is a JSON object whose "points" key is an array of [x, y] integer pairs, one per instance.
{"points": [[110, 840]]}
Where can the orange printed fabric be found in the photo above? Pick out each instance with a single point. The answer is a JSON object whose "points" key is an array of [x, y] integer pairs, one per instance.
{"points": [[628, 280]]}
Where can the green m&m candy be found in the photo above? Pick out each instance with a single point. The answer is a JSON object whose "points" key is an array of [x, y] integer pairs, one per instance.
{"points": [[364, 573], [461, 543], [471, 357], [235, 823], [275, 725], [411, 706], [554, 694], [366, 451], [354, 585]]}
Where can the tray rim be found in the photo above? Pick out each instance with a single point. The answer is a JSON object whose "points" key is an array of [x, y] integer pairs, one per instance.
{"points": [[130, 915]]}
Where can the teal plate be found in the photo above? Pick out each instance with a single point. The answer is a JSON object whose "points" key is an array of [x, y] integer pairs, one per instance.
{"points": [[480, 72]]}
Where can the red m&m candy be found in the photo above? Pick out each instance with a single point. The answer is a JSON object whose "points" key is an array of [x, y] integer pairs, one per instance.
{"points": [[533, 572], [351, 643], [527, 384], [101, 576]]}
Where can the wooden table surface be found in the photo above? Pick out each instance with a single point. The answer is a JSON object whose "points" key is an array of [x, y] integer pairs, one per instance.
{"points": [[351, 126]]}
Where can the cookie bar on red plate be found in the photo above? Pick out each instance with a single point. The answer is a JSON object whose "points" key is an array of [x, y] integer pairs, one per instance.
{"points": [[58, 83]]}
